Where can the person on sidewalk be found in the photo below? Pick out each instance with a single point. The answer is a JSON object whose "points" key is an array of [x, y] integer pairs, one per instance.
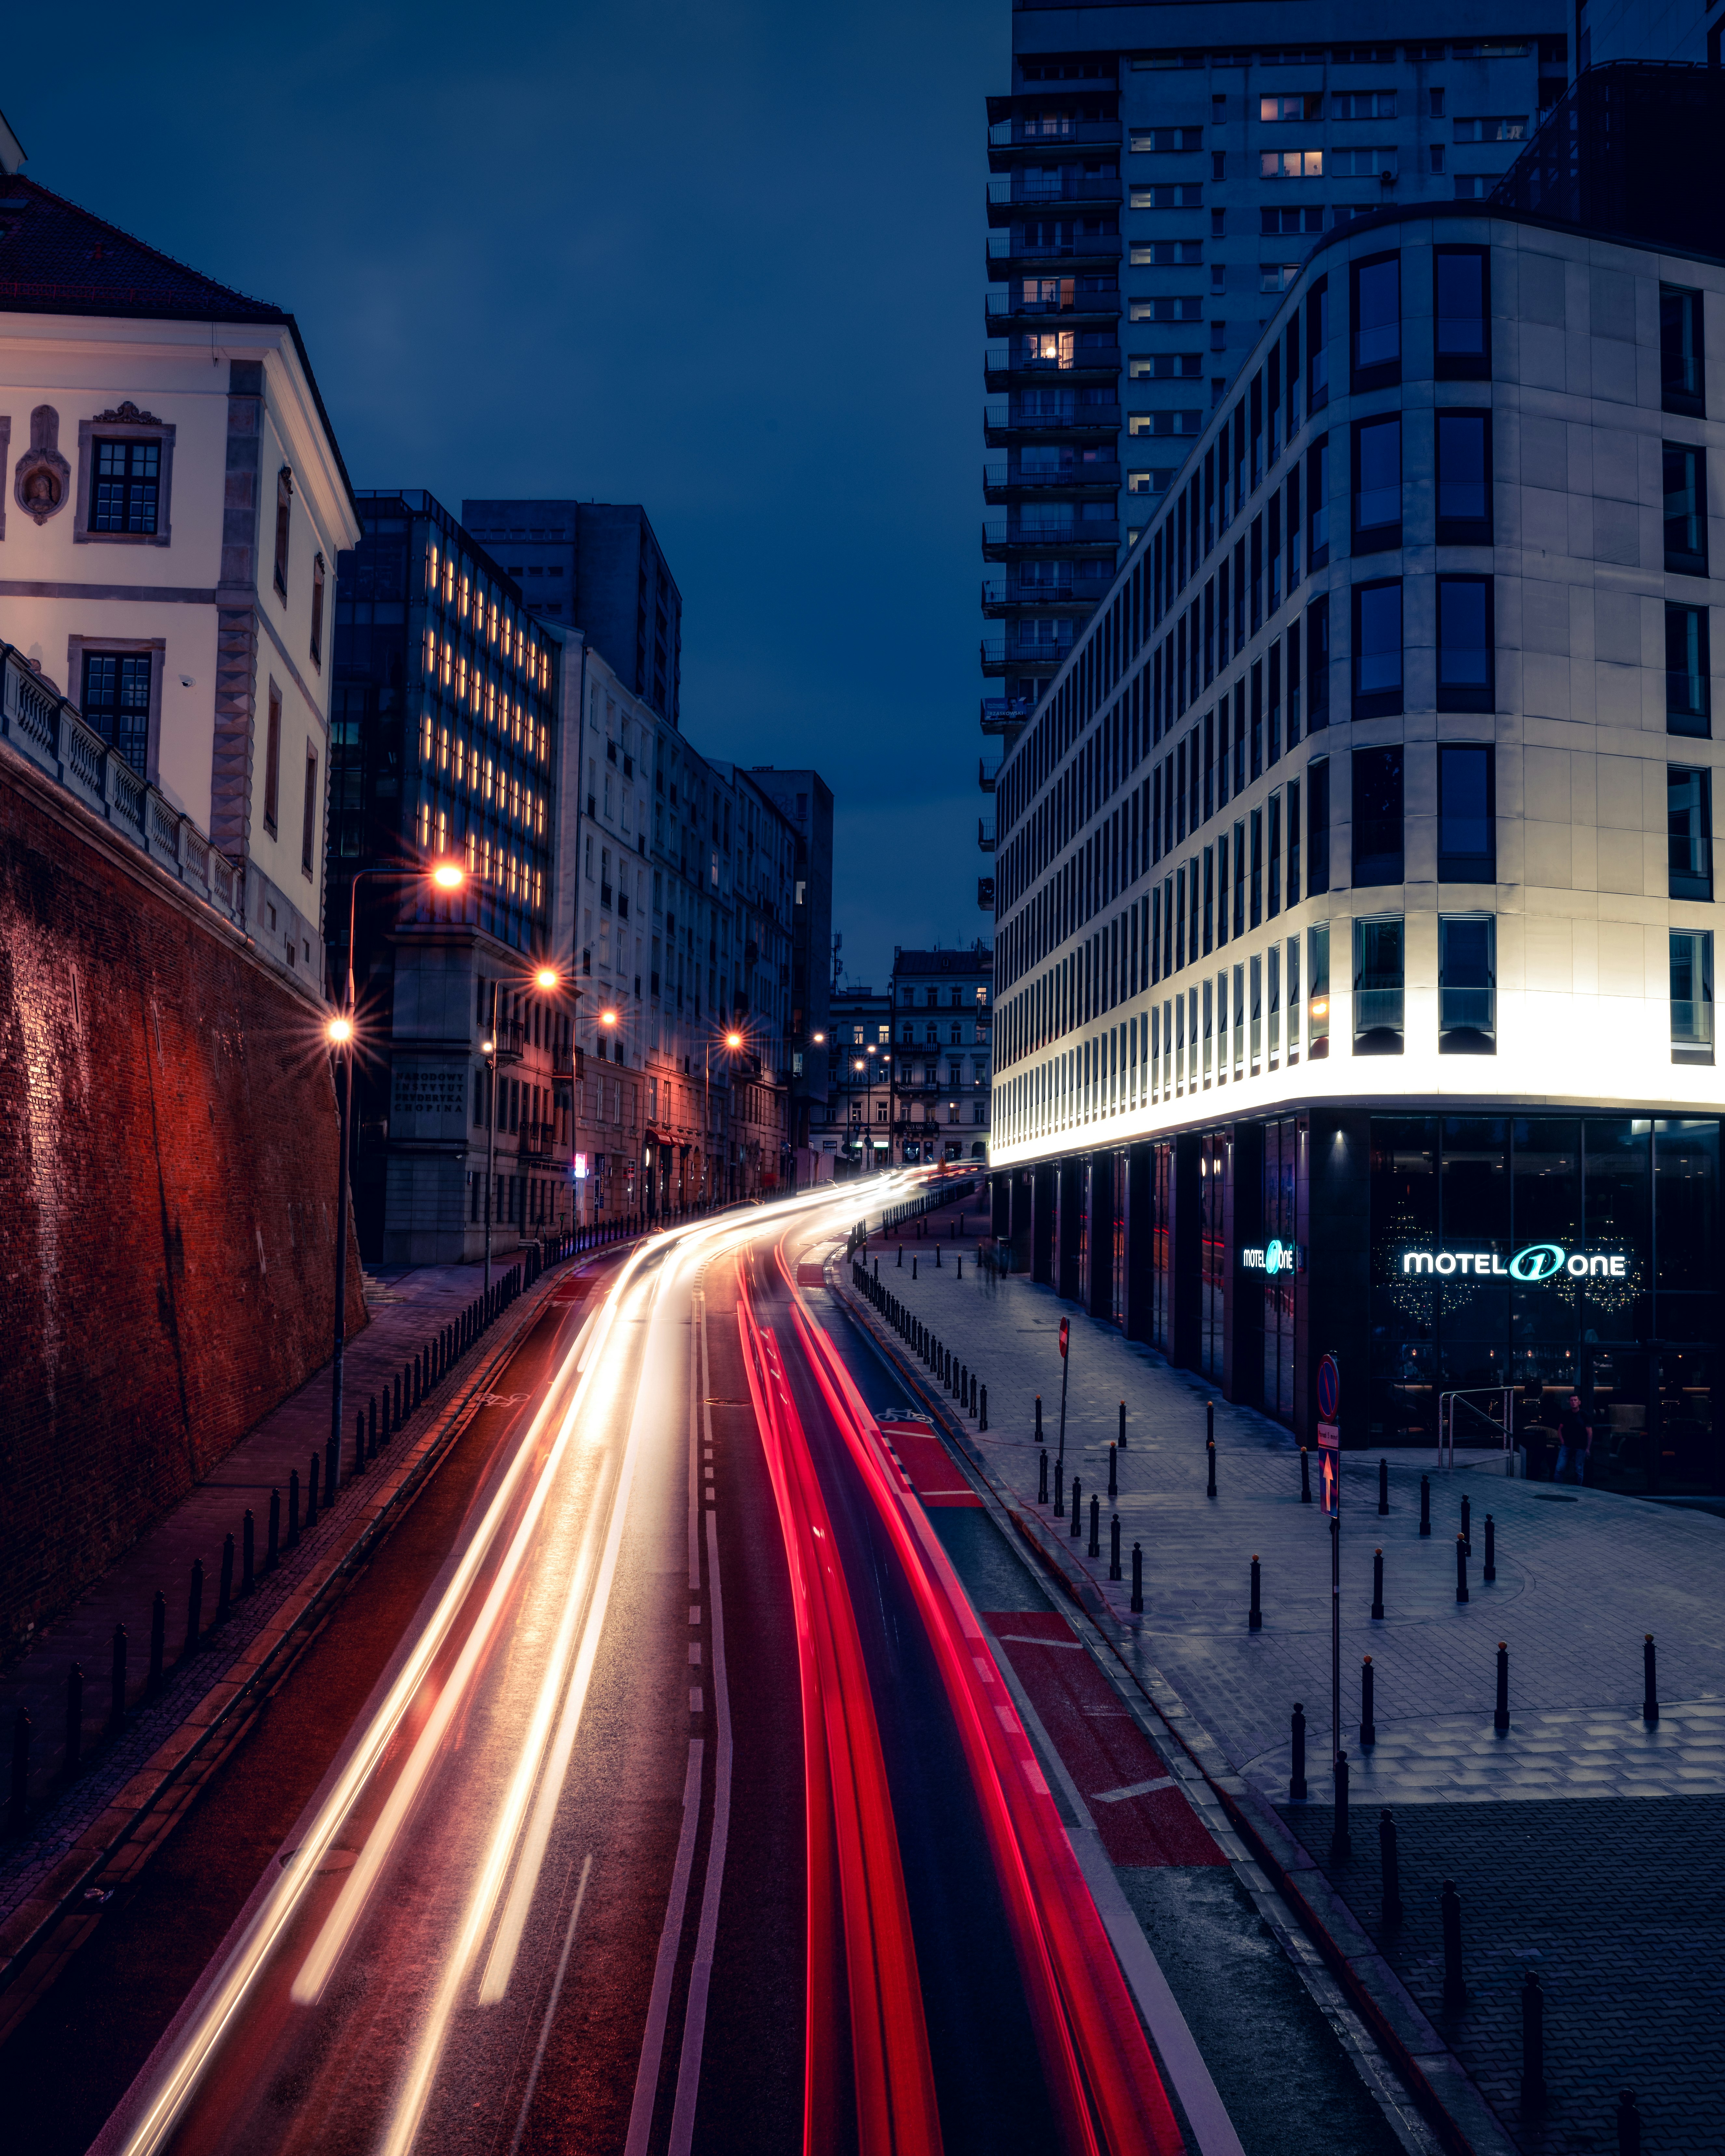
{"points": [[1575, 1441]]}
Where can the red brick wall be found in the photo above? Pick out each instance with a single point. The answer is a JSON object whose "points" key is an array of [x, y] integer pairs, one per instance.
{"points": [[167, 1199]]}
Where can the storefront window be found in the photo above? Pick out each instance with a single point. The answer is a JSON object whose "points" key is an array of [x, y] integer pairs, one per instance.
{"points": [[1212, 1168]]}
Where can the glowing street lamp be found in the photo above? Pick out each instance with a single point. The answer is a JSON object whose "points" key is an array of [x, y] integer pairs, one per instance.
{"points": [[547, 978]]}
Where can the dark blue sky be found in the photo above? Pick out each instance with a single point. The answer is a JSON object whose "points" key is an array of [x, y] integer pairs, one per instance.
{"points": [[723, 259]]}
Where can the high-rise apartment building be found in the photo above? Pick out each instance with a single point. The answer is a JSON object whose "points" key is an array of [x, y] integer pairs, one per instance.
{"points": [[1158, 174]]}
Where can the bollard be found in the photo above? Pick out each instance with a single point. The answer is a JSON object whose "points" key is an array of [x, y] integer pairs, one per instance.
{"points": [[1367, 1725], [1113, 1482], [1077, 1511], [913, 1268], [937, 1265], [1500, 1720], [73, 1755], [1382, 1489], [1533, 2045], [359, 1444], [16, 1802], [1042, 1479], [1378, 1582], [960, 1265], [1629, 2125], [1454, 1985], [1390, 1868], [1122, 1438], [1210, 1446], [1490, 1572], [1137, 1603], [311, 1494], [1305, 1476], [194, 1607], [1209, 1422], [1254, 1616], [1426, 1504], [1297, 1780], [1060, 1488], [158, 1639], [901, 1257], [1467, 1524], [1650, 1683], [1095, 1527], [1341, 1840], [247, 1552], [1461, 1568], [117, 1681], [224, 1591], [274, 1550], [1114, 1546], [1038, 1419]]}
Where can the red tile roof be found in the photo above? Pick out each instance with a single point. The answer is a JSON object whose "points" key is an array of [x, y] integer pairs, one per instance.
{"points": [[57, 258]]}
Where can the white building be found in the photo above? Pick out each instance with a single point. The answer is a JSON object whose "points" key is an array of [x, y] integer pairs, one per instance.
{"points": [[172, 506]]}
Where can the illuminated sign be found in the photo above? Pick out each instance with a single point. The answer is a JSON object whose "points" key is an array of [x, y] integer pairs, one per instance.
{"points": [[1534, 1263], [578, 1167], [1272, 1258]]}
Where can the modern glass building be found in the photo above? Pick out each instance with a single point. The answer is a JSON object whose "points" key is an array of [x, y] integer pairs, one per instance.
{"points": [[1355, 937]]}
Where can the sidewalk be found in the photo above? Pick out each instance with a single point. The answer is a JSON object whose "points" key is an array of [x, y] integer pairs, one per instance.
{"points": [[1533, 1824]]}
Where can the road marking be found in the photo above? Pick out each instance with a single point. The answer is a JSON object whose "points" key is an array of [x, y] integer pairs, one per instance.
{"points": [[695, 1707], [640, 2117], [1134, 1790], [1031, 1640], [551, 2005]]}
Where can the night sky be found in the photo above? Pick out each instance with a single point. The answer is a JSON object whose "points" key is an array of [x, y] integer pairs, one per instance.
{"points": [[726, 260]]}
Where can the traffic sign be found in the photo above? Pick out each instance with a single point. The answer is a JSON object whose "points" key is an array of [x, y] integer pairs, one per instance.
{"points": [[1329, 1388], [1065, 1328]]}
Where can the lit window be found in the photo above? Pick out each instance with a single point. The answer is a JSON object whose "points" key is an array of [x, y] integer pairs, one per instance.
{"points": [[1291, 164]]}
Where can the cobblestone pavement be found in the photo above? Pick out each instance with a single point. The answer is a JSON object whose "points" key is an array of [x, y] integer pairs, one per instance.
{"points": [[1581, 1832]]}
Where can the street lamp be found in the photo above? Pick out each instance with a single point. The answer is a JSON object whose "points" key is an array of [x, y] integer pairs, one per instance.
{"points": [[341, 1033]]}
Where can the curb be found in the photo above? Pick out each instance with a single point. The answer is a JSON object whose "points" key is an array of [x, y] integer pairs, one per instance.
{"points": [[1447, 2097], [121, 1839]]}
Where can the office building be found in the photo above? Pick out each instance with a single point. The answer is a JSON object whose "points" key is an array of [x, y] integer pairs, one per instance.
{"points": [[942, 1007], [1355, 942]]}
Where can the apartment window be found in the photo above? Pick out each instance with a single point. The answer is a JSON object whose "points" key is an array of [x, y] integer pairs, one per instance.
{"points": [[272, 764], [1363, 105], [1688, 695], [284, 510], [1464, 479], [1467, 985], [1465, 654], [1680, 380], [126, 490], [1166, 254], [1284, 224], [1379, 982], [1686, 511], [1161, 139], [1317, 663], [308, 829], [1472, 187], [1691, 995], [1434, 98], [1377, 314], [1377, 485], [1291, 164], [1689, 823], [1377, 649], [1467, 850], [1183, 194], [117, 702], [1436, 154], [317, 583], [1317, 991], [1377, 856], [1297, 104], [1496, 128]]}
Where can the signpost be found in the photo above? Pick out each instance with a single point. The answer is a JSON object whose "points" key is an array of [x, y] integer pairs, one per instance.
{"points": [[1329, 1440], [1066, 1365]]}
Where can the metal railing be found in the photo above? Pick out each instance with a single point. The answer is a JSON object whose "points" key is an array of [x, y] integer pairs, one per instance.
{"points": [[1503, 1428], [1021, 191]]}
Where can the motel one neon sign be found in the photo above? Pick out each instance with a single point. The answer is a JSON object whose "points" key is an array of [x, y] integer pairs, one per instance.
{"points": [[1535, 1262]]}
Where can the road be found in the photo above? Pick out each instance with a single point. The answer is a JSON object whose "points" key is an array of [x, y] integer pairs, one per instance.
{"points": [[666, 1795]]}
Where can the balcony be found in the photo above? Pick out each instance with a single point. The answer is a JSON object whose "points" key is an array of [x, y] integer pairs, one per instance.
{"points": [[568, 1063], [538, 1142], [1011, 656], [1035, 134], [1018, 368], [1004, 715], [1035, 301], [1052, 422], [1093, 475], [1022, 193], [1002, 597], [1018, 536], [986, 780], [511, 1043], [985, 836], [1006, 256]]}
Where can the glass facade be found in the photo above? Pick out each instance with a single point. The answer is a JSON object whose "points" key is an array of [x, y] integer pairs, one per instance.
{"points": [[1213, 1149], [1281, 1166]]}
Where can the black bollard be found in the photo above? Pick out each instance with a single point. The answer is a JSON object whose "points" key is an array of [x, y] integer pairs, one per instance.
{"points": [[1490, 1572], [1305, 1476], [1454, 1985], [1077, 1528], [1500, 1720], [1297, 1780], [913, 1268], [117, 1681], [1382, 1489], [1629, 2125], [1042, 1479], [1209, 1422], [1113, 1481], [960, 1265], [194, 1607], [1038, 1419], [74, 1754], [1461, 1568], [1123, 1426], [1209, 1447], [1532, 2046], [1378, 1582], [16, 1806], [1137, 1579], [1255, 1615], [901, 1257], [274, 1550], [247, 1552], [982, 1419], [1368, 1724], [1060, 1488], [1426, 1504], [1650, 1683], [1389, 1867], [1467, 1524], [224, 1591], [311, 1493], [1340, 1839], [1095, 1527], [158, 1639], [1114, 1546], [938, 1267]]}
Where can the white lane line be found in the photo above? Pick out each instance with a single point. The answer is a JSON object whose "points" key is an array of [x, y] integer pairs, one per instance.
{"points": [[1134, 1790], [551, 2006], [640, 2117], [1033, 1640], [694, 1478]]}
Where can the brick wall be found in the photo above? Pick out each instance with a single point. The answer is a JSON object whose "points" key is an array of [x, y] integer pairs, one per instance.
{"points": [[167, 1197]]}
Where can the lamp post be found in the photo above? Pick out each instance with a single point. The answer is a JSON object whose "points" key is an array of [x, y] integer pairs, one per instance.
{"points": [[733, 1041], [342, 1032]]}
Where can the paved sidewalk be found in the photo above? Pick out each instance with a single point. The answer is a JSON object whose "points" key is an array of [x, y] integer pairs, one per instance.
{"points": [[1582, 1576]]}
